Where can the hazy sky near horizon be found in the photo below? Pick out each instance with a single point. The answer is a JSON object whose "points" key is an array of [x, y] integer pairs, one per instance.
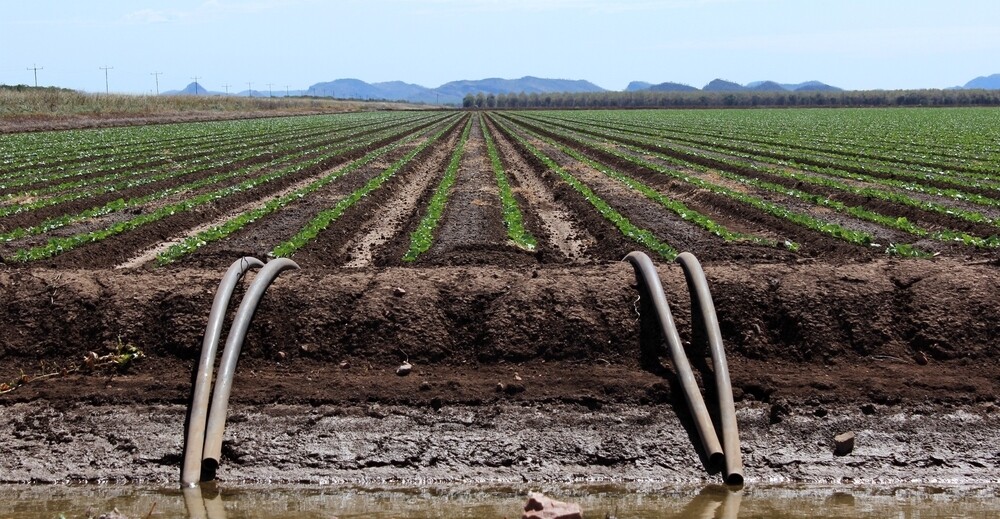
{"points": [[853, 44]]}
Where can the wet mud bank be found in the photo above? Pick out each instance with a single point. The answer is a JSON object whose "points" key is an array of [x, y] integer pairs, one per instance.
{"points": [[519, 375], [499, 443]]}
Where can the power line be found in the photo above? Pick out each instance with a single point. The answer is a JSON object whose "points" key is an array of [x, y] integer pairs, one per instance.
{"points": [[286, 90], [196, 78], [35, 68], [249, 89], [227, 88], [107, 90], [269, 94], [157, 76]]}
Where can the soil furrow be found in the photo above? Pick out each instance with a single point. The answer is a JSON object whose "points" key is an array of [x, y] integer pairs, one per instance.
{"points": [[379, 223], [545, 215], [260, 237], [471, 230]]}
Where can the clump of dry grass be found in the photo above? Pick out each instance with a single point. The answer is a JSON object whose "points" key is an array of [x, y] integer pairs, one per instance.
{"points": [[27, 108]]}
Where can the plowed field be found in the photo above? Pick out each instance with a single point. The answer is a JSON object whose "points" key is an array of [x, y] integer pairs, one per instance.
{"points": [[852, 255]]}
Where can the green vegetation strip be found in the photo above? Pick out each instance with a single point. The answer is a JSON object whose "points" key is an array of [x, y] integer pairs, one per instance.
{"points": [[803, 220], [640, 235], [219, 232], [898, 223], [512, 217], [325, 218], [130, 178], [685, 212], [423, 237], [56, 246], [124, 204]]}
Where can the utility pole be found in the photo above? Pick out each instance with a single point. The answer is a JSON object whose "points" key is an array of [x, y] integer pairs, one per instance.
{"points": [[107, 90], [249, 89], [35, 68], [157, 76], [286, 90], [269, 94], [227, 88], [196, 78]]}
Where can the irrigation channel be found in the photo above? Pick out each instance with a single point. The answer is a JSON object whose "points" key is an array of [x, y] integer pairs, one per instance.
{"points": [[851, 257]]}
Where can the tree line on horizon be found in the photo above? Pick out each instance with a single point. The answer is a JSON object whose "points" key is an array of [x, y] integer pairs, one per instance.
{"points": [[653, 99]]}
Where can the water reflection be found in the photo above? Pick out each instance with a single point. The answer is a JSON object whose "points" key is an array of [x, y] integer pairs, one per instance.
{"points": [[630, 501], [199, 506], [715, 502]]}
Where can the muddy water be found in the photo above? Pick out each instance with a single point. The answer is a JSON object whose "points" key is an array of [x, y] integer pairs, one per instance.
{"points": [[910, 502]]}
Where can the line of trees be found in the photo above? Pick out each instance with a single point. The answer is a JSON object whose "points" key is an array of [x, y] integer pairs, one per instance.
{"points": [[651, 99]]}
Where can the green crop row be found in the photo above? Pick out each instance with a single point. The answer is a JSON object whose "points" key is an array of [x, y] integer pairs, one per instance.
{"points": [[640, 235], [649, 146], [323, 220], [770, 208], [108, 184], [221, 231], [59, 245], [678, 208], [852, 167], [513, 220], [422, 238]]}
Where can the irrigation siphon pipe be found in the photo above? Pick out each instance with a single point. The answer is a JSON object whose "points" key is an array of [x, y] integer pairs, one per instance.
{"points": [[650, 287], [702, 306], [195, 440], [234, 343]]}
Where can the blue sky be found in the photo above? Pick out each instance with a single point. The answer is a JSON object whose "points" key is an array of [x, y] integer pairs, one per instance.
{"points": [[855, 44]]}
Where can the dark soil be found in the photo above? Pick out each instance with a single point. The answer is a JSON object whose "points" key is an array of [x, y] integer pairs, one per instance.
{"points": [[828, 344], [526, 364]]}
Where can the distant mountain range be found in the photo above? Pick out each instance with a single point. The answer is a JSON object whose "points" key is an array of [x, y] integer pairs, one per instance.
{"points": [[985, 82], [721, 85], [448, 93], [454, 91]]}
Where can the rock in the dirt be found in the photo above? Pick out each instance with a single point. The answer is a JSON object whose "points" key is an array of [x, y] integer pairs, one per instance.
{"points": [[399, 292], [843, 443], [541, 507], [404, 369]]}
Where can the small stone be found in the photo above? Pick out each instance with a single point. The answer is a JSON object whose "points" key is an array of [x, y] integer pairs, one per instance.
{"points": [[399, 292], [345, 365], [425, 386], [436, 403], [404, 369], [281, 355], [500, 387], [517, 377], [920, 358], [541, 507], [843, 443]]}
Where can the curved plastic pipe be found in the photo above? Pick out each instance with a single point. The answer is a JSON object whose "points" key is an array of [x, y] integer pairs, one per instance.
{"points": [[702, 306], [234, 343], [195, 438], [650, 287]]}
